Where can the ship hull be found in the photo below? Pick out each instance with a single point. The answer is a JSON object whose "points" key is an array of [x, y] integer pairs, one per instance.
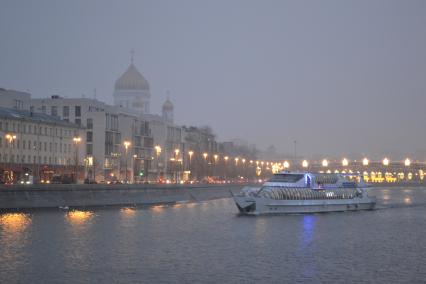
{"points": [[258, 205]]}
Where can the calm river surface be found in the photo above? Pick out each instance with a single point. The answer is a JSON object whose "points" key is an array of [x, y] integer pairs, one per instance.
{"points": [[210, 243]]}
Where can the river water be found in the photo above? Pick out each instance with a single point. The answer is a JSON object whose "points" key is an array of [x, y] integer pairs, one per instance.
{"points": [[210, 242]]}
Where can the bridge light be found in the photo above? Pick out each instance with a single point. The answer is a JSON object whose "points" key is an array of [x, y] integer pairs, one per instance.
{"points": [[386, 162], [365, 162], [407, 162], [305, 164]]}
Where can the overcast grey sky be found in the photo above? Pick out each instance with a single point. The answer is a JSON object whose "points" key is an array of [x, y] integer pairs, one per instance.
{"points": [[340, 77]]}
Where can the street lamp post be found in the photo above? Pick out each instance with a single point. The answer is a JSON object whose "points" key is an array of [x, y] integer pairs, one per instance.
{"points": [[10, 138], [176, 165], [190, 153], [216, 157], [158, 152], [226, 167], [205, 164], [244, 167], [77, 141], [126, 147]]}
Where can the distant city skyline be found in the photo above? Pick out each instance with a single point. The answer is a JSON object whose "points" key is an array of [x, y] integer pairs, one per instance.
{"points": [[340, 78]]}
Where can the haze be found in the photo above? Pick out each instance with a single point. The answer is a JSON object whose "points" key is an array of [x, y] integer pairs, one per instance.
{"points": [[340, 77]]}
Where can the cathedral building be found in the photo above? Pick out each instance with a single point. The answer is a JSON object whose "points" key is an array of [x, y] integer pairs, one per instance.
{"points": [[132, 95]]}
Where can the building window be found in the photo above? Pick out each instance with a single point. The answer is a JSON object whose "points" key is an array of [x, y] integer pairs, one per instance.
{"points": [[65, 111], [78, 121], [43, 109], [89, 136], [54, 110], [19, 104], [77, 110], [89, 123], [89, 149]]}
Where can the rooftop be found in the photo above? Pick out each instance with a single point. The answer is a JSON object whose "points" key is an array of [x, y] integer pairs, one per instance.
{"points": [[10, 113]]}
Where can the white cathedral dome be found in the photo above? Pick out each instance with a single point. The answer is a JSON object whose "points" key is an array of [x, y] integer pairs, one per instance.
{"points": [[132, 79]]}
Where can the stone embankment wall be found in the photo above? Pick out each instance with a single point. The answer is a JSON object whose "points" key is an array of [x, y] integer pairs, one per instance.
{"points": [[50, 196]]}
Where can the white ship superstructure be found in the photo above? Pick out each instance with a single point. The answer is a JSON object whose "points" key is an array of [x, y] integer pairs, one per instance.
{"points": [[289, 192]]}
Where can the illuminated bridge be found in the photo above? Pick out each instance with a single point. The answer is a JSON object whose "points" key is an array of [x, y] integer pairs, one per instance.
{"points": [[383, 171]]}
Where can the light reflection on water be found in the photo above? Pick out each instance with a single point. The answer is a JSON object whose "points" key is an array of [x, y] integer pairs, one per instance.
{"points": [[306, 245], [157, 208], [77, 217], [307, 229], [128, 212], [165, 243], [13, 223]]}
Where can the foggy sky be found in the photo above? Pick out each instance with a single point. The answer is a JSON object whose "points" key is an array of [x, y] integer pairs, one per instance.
{"points": [[343, 78]]}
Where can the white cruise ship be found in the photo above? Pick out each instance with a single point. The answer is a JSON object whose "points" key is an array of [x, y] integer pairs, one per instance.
{"points": [[289, 192]]}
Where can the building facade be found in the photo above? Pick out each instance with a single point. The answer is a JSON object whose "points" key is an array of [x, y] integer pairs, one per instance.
{"points": [[36, 147], [106, 129]]}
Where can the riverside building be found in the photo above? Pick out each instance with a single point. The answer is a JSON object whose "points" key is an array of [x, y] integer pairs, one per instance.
{"points": [[108, 129], [132, 95], [36, 147]]}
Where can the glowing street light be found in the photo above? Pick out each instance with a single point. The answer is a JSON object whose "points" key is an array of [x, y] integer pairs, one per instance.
{"points": [[325, 163], [205, 155], [365, 162], [407, 162], [286, 164], [126, 147], [385, 161], [76, 141], [215, 158], [157, 150], [190, 153], [305, 164], [10, 137], [236, 161], [345, 162]]}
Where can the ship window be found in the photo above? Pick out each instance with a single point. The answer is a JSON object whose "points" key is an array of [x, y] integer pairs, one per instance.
{"points": [[292, 178]]}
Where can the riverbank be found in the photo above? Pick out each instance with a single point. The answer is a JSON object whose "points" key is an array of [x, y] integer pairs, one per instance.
{"points": [[54, 196]]}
